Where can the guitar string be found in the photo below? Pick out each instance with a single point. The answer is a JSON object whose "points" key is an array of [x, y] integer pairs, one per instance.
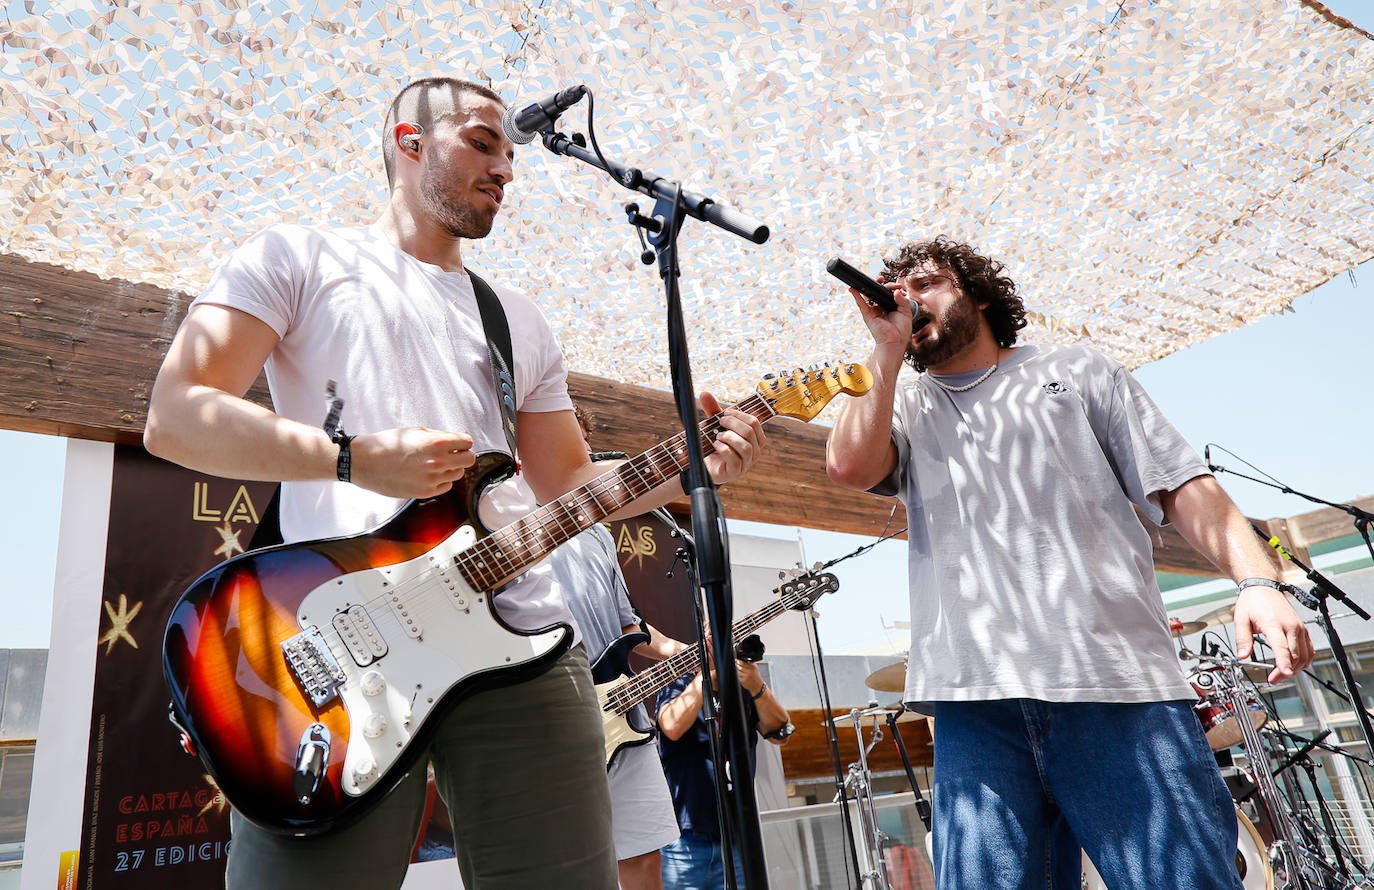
{"points": [[629, 692], [626, 694], [423, 584], [428, 581]]}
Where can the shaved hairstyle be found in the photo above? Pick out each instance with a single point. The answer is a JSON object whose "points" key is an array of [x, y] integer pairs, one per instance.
{"points": [[423, 102]]}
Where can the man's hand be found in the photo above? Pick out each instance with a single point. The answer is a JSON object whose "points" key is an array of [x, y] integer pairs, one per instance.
{"points": [[415, 462], [738, 445], [1264, 610]]}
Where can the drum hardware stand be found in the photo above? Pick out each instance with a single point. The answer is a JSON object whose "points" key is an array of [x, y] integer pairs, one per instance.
{"points": [[1288, 857], [922, 805], [1343, 858], [842, 783], [859, 780], [833, 742]]}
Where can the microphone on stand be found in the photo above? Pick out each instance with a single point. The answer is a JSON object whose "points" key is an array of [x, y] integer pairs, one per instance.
{"points": [[521, 123], [1207, 459]]}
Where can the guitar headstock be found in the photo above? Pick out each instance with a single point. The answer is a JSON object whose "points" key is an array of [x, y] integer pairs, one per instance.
{"points": [[802, 591], [802, 394]]}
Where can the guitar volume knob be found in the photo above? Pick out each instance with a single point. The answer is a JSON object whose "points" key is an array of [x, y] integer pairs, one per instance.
{"points": [[373, 683], [375, 726], [365, 770]]}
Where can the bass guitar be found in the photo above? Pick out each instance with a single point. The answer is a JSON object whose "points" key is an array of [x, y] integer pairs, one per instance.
{"points": [[308, 676], [617, 699]]}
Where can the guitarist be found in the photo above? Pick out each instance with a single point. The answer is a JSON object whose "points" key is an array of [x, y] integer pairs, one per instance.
{"points": [[588, 572], [695, 861], [388, 312]]}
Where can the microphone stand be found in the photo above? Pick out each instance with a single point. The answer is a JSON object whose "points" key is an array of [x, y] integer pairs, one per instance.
{"points": [[1361, 518], [1323, 591], [661, 228]]}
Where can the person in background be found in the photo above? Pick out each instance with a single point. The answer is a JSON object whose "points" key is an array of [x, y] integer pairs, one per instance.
{"points": [[593, 586], [695, 861]]}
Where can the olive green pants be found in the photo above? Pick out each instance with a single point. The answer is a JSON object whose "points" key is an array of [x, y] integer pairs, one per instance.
{"points": [[522, 771]]}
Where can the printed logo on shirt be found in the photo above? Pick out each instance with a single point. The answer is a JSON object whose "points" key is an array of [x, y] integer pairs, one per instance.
{"points": [[1056, 388]]}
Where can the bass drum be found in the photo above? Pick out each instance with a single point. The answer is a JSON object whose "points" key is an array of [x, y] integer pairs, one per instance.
{"points": [[1251, 863]]}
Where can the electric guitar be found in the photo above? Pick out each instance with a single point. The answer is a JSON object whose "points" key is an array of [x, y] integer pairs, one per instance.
{"points": [[618, 699], [307, 676]]}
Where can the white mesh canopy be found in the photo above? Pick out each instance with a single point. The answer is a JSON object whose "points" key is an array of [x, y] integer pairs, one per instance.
{"points": [[1153, 174]]}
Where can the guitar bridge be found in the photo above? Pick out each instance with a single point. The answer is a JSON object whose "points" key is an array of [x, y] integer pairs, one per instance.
{"points": [[314, 666]]}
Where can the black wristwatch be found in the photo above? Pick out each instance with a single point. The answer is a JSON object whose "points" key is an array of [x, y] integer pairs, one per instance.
{"points": [[781, 732]]}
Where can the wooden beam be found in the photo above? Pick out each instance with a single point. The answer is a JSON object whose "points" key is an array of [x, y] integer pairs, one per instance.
{"points": [[80, 355], [80, 352], [1325, 524]]}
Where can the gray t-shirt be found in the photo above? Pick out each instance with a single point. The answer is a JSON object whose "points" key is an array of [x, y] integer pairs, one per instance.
{"points": [[1030, 574], [593, 587]]}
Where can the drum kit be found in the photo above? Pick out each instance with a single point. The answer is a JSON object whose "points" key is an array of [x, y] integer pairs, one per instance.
{"points": [[858, 780], [1289, 840], [1290, 853]]}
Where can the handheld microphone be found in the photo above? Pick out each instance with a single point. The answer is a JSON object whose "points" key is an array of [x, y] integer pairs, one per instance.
{"points": [[872, 290], [521, 123]]}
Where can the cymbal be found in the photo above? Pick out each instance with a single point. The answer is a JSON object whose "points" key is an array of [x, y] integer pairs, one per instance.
{"points": [[903, 715], [888, 679], [1221, 615], [1181, 628]]}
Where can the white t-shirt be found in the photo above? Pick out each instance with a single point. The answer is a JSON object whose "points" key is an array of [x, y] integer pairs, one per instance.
{"points": [[403, 340], [1030, 574]]}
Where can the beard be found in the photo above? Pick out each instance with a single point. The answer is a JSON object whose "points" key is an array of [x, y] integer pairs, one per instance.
{"points": [[453, 213], [955, 330]]}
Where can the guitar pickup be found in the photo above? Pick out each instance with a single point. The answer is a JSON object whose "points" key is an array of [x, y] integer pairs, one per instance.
{"points": [[359, 635], [313, 666]]}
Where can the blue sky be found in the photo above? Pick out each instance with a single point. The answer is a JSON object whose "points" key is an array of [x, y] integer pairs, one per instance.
{"points": [[1288, 394]]}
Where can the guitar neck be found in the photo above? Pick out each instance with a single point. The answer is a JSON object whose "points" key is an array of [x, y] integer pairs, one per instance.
{"points": [[626, 695], [515, 547]]}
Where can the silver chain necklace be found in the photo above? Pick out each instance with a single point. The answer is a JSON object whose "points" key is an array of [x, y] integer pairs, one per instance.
{"points": [[967, 386]]}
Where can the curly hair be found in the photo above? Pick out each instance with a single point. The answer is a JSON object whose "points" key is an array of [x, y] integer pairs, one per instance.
{"points": [[978, 276]]}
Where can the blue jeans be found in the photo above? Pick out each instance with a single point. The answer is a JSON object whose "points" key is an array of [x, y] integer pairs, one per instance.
{"points": [[695, 862], [1020, 785]]}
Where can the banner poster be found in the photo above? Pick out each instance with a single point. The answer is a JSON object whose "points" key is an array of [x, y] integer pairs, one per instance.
{"points": [[647, 550], [152, 817]]}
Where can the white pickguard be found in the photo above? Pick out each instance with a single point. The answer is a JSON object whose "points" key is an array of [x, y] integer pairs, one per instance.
{"points": [[442, 632]]}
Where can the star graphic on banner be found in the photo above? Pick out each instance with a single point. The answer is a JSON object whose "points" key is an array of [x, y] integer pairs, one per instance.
{"points": [[217, 801], [119, 624], [230, 539]]}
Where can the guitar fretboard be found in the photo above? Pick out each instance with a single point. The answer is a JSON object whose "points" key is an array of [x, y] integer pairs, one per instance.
{"points": [[513, 548], [624, 696]]}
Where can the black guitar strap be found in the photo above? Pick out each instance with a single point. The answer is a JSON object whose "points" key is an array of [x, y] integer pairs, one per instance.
{"points": [[497, 329]]}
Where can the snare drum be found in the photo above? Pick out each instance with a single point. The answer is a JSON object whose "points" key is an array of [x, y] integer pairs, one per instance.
{"points": [[1215, 711], [1251, 863]]}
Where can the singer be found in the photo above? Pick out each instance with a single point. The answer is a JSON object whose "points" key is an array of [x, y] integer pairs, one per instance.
{"points": [[1039, 638], [393, 315]]}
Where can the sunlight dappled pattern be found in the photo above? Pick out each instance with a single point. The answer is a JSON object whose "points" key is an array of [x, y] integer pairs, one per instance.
{"points": [[1154, 173]]}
